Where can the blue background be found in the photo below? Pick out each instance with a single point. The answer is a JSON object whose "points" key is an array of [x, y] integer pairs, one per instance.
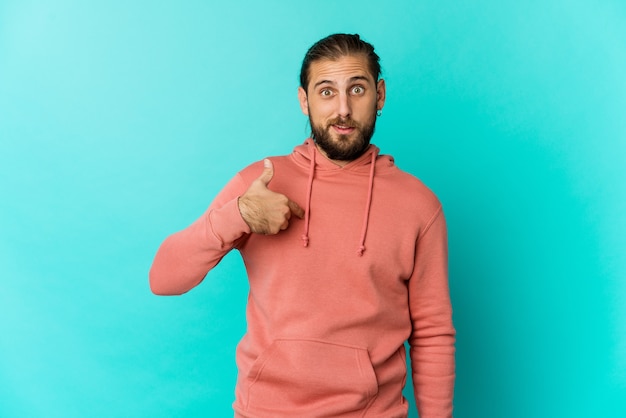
{"points": [[120, 120]]}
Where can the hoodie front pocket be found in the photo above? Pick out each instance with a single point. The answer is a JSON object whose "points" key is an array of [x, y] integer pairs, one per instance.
{"points": [[310, 378]]}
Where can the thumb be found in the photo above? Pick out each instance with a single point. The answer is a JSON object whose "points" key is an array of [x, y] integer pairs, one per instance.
{"points": [[268, 172]]}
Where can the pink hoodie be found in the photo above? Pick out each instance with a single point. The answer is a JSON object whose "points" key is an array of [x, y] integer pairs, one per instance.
{"points": [[334, 297]]}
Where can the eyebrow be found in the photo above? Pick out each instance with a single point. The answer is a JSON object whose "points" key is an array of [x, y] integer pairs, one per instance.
{"points": [[352, 80]]}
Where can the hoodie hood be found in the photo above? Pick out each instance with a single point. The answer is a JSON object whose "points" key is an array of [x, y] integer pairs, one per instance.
{"points": [[309, 156]]}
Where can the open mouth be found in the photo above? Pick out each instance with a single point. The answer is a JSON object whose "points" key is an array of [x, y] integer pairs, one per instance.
{"points": [[343, 129]]}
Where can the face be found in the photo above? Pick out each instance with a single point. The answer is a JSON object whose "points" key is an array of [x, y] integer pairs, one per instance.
{"points": [[341, 101]]}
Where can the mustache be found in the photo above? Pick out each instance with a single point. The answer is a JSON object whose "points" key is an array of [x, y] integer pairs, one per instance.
{"points": [[346, 122]]}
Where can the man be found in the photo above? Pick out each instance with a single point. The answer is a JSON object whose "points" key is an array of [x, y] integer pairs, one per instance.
{"points": [[346, 258]]}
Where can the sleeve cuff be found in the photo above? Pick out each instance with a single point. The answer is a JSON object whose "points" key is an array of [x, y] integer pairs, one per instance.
{"points": [[227, 224]]}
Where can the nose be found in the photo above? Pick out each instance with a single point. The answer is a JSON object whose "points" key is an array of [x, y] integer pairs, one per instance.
{"points": [[345, 108]]}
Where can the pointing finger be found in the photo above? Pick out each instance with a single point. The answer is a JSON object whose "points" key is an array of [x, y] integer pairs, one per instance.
{"points": [[295, 209]]}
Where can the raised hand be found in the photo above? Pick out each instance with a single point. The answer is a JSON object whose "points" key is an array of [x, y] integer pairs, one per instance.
{"points": [[267, 212]]}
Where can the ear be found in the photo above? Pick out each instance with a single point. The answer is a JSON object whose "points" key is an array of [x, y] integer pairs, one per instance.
{"points": [[381, 93], [304, 102]]}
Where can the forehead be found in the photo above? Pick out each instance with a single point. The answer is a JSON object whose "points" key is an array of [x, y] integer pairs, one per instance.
{"points": [[339, 70]]}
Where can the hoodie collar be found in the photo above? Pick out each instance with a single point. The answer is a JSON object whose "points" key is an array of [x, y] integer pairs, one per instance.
{"points": [[308, 152]]}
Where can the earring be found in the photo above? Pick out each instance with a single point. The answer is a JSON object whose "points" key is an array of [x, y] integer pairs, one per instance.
{"points": [[379, 112]]}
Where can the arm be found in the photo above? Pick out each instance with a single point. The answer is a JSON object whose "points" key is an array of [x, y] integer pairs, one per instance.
{"points": [[432, 340], [184, 258]]}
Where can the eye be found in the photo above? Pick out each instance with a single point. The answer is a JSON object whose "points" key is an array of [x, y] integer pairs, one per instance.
{"points": [[326, 93], [358, 90]]}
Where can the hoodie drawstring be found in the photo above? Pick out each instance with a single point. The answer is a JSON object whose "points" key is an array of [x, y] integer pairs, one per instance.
{"points": [[367, 206], [307, 210], [307, 214]]}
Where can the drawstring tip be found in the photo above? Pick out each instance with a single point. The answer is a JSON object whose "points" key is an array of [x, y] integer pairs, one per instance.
{"points": [[305, 241], [360, 250]]}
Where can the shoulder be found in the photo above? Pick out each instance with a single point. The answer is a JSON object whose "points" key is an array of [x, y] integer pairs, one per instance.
{"points": [[411, 198], [410, 186]]}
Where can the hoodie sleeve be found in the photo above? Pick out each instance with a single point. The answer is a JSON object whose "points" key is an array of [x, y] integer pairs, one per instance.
{"points": [[185, 257], [433, 336]]}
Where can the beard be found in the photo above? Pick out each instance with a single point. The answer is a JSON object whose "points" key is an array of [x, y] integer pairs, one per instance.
{"points": [[343, 147]]}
